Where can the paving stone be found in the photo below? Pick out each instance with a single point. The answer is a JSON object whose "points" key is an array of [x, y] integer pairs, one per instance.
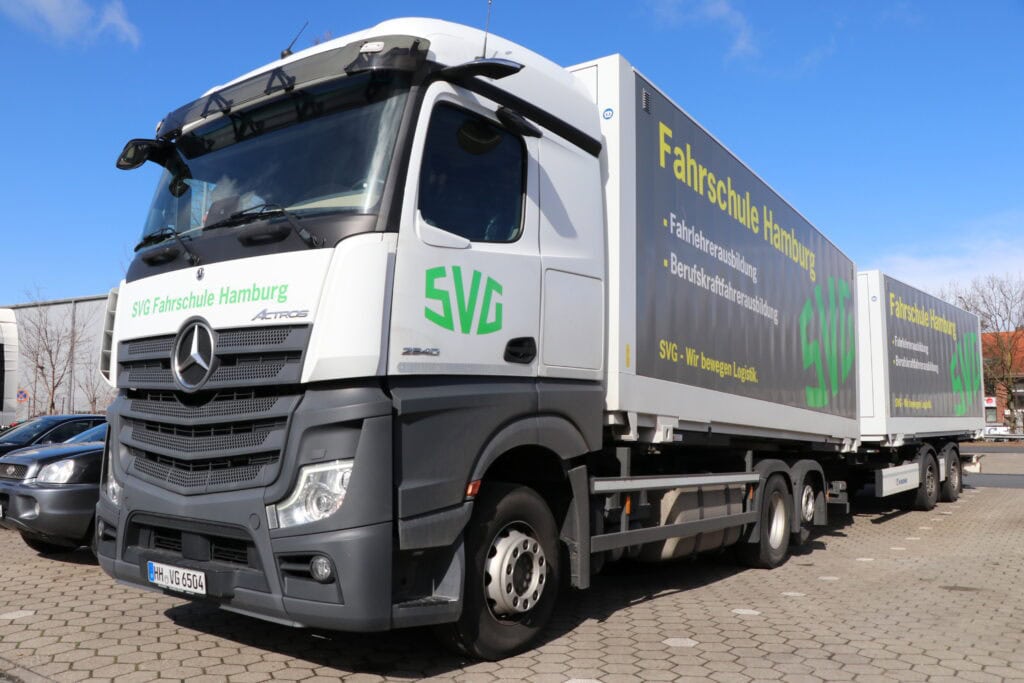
{"points": [[944, 608]]}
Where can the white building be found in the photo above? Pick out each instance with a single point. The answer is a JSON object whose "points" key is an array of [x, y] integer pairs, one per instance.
{"points": [[59, 350]]}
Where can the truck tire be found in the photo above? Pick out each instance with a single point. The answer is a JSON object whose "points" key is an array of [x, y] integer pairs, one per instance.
{"points": [[512, 574], [928, 491], [954, 483], [806, 503], [772, 545]]}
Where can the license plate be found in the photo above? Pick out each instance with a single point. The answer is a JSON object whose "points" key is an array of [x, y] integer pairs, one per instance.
{"points": [[177, 578]]}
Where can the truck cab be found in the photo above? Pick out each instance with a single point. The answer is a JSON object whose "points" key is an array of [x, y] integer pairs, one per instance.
{"points": [[370, 274]]}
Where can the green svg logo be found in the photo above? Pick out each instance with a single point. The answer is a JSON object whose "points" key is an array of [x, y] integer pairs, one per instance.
{"points": [[487, 319], [831, 350], [965, 373]]}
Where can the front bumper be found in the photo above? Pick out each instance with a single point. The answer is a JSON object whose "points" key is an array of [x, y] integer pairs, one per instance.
{"points": [[257, 574], [263, 572], [60, 513]]}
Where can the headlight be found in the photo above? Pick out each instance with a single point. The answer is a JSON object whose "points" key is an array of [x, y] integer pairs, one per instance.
{"points": [[111, 487], [59, 472], [319, 493]]}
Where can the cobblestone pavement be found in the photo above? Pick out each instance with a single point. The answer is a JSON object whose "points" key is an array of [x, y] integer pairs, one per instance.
{"points": [[881, 595]]}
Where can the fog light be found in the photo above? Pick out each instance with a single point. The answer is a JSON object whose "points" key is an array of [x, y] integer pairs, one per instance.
{"points": [[100, 528], [320, 568]]}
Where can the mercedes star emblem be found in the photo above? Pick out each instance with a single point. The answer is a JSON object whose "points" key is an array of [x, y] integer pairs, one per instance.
{"points": [[10, 470], [193, 360]]}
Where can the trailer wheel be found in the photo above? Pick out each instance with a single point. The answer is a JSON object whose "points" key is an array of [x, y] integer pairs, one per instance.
{"points": [[807, 501], [954, 484], [772, 545], [512, 574], [928, 491]]}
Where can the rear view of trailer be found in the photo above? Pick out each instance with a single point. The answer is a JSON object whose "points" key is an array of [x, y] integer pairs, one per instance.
{"points": [[728, 311], [920, 363]]}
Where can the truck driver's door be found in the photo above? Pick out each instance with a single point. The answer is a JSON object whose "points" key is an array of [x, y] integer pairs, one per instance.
{"points": [[467, 271]]}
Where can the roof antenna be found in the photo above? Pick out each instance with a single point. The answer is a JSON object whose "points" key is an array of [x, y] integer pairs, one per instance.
{"points": [[287, 52], [487, 28]]}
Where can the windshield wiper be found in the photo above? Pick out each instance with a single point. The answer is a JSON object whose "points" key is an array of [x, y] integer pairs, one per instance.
{"points": [[260, 211], [162, 235]]}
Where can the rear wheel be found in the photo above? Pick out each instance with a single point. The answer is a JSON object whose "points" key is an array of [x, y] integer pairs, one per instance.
{"points": [[45, 547], [512, 574], [772, 544], [928, 490], [807, 504], [953, 485]]}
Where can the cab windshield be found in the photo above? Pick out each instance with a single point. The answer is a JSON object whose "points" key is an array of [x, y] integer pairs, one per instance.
{"points": [[325, 149]]}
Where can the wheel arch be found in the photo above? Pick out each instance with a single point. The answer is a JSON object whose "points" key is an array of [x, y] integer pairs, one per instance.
{"points": [[534, 452], [808, 471]]}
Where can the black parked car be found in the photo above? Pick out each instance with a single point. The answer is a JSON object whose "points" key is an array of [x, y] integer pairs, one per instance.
{"points": [[49, 493], [47, 429]]}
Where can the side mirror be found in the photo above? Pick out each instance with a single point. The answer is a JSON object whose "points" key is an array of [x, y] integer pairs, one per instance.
{"points": [[139, 151]]}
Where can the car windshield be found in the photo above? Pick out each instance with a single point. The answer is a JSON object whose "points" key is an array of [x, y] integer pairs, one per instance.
{"points": [[324, 149], [97, 433], [27, 432]]}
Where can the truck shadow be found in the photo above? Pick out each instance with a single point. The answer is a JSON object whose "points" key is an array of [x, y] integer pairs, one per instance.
{"points": [[414, 653]]}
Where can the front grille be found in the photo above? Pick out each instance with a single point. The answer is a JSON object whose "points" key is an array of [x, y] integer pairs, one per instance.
{"points": [[150, 372], [231, 434], [199, 543], [204, 439], [15, 472], [151, 346], [167, 539], [229, 550], [255, 336], [252, 368], [246, 356], [210, 473], [222, 404]]}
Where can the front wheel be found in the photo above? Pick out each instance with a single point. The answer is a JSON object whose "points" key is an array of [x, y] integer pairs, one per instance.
{"points": [[512, 574]]}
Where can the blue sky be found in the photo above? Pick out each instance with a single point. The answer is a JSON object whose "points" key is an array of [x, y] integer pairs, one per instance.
{"points": [[897, 128]]}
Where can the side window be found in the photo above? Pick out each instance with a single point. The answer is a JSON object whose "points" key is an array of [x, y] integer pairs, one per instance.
{"points": [[65, 431], [473, 177]]}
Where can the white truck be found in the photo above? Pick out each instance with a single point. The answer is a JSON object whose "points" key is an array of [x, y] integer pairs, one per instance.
{"points": [[8, 367], [416, 334]]}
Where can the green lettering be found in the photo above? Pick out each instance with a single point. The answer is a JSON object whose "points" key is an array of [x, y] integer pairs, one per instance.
{"points": [[817, 396], [488, 326], [444, 319], [466, 308], [832, 351]]}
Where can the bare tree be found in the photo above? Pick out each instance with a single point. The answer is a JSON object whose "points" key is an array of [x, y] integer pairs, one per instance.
{"points": [[999, 301], [94, 389], [52, 342]]}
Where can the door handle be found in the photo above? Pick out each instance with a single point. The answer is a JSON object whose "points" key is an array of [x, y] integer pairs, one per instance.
{"points": [[521, 350]]}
